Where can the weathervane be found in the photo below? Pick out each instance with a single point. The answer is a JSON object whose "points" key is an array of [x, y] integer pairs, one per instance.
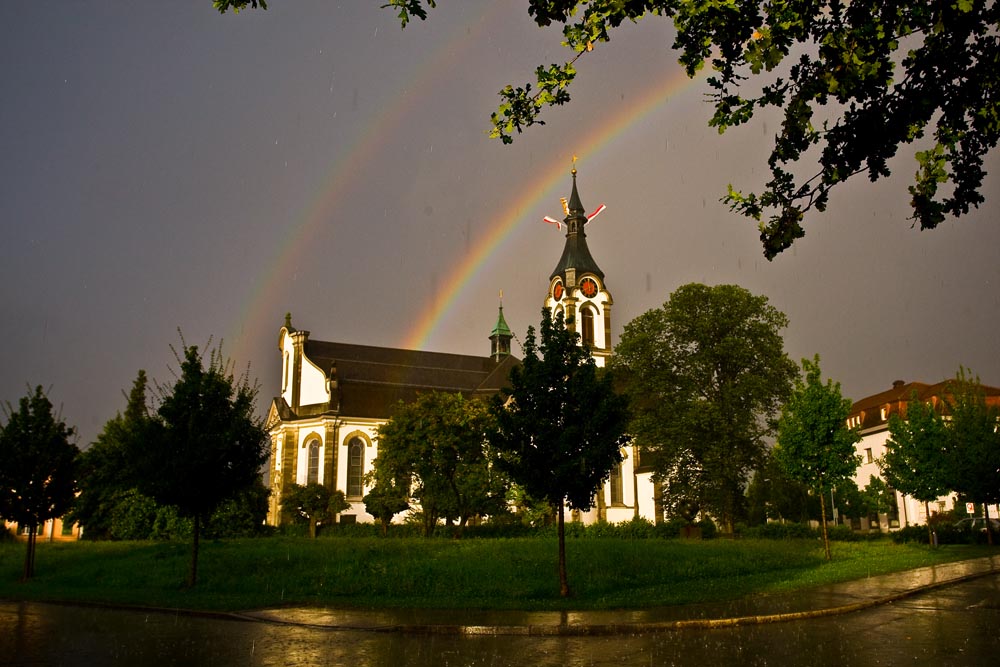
{"points": [[565, 206]]}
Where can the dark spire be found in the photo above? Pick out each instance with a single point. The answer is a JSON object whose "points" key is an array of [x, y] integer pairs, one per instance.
{"points": [[288, 323], [500, 336], [576, 254]]}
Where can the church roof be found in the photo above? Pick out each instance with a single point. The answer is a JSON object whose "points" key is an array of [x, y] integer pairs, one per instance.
{"points": [[576, 254], [370, 381]]}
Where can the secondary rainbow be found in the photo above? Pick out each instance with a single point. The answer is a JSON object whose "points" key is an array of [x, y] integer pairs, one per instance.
{"points": [[342, 176]]}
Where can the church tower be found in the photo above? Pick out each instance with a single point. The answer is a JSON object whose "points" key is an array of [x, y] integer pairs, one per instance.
{"points": [[500, 336], [576, 286]]}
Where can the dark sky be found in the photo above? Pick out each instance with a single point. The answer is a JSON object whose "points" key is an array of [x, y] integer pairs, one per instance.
{"points": [[165, 167]]}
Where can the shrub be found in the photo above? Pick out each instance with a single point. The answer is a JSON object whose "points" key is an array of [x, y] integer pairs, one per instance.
{"points": [[946, 533], [781, 531]]}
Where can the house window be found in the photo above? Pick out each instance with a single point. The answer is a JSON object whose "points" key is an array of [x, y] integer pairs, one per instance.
{"points": [[312, 476], [355, 467], [617, 497], [587, 329], [868, 455]]}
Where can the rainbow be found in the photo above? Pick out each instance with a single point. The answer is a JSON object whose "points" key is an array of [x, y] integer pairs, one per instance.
{"points": [[503, 227], [343, 174]]}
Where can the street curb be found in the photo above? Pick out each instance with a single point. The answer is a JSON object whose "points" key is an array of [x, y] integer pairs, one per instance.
{"points": [[544, 630], [605, 629]]}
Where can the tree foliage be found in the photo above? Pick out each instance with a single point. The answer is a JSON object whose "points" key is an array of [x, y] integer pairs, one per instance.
{"points": [[388, 495], [853, 80], [973, 442], [437, 446], [916, 456], [104, 478], [560, 427], [37, 468], [314, 503], [815, 446], [706, 375], [773, 495], [204, 445]]}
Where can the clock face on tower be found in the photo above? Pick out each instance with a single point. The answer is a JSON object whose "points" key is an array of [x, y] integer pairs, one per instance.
{"points": [[589, 288], [557, 291]]}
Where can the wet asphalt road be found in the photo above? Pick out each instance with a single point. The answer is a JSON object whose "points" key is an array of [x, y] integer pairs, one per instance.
{"points": [[955, 625]]}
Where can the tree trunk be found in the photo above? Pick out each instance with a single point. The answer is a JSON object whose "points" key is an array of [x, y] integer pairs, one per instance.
{"points": [[312, 527], [822, 522], [193, 574], [989, 530], [930, 533], [563, 582], [29, 555]]}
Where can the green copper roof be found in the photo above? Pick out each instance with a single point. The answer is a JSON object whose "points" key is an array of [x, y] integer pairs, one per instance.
{"points": [[501, 328]]}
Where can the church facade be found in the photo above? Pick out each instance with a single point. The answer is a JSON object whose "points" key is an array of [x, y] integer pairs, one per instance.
{"points": [[324, 422]]}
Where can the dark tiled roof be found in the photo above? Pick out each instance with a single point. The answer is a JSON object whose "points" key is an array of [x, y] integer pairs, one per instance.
{"points": [[371, 381], [893, 401], [576, 255]]}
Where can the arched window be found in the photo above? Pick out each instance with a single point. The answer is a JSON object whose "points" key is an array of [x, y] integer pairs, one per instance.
{"points": [[355, 467], [617, 494], [312, 476], [587, 328], [284, 382]]}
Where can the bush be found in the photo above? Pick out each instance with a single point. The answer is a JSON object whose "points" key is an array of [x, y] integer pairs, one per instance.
{"points": [[243, 516], [946, 534], [845, 534], [132, 517], [781, 531]]}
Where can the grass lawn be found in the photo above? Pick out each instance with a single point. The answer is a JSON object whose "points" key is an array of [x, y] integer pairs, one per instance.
{"points": [[477, 573]]}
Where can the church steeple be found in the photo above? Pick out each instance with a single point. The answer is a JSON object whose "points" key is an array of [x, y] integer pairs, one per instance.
{"points": [[500, 336], [576, 258], [576, 286]]}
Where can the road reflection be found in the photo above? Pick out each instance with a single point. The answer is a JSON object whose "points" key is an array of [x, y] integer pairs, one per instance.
{"points": [[956, 625]]}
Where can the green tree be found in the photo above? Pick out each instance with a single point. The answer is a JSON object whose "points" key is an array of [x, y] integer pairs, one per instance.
{"points": [[37, 468], [560, 426], [438, 443], [204, 445], [973, 443], [706, 374], [103, 477], [314, 503], [815, 446], [773, 495], [916, 456], [243, 515], [879, 497], [854, 81], [388, 495]]}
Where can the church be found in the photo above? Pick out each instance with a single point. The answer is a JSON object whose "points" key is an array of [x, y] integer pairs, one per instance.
{"points": [[334, 396]]}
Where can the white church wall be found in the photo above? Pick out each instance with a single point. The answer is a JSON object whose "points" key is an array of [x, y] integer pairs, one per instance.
{"points": [[287, 355], [313, 389], [646, 491]]}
